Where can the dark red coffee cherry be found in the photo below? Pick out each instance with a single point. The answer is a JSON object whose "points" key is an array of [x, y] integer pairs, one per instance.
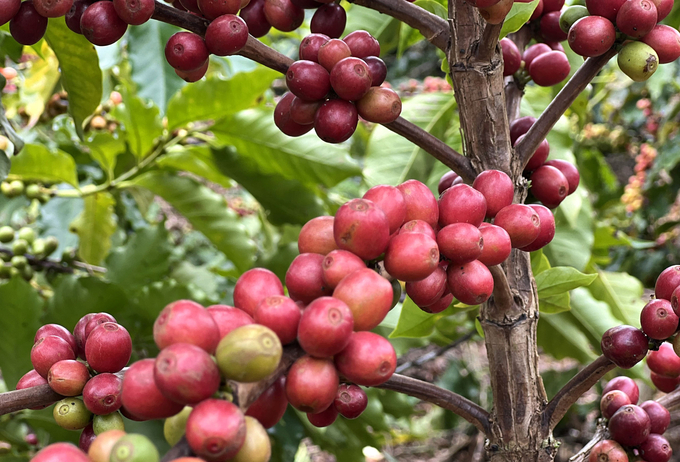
{"points": [[531, 53], [539, 156], [656, 448], [663, 383], [549, 68], [195, 75], [134, 12], [659, 416], [75, 13], [569, 171], [550, 27], [310, 45], [331, 52], [303, 112], [212, 9], [284, 120], [323, 418], [637, 18], [447, 180], [329, 19], [283, 15], [549, 186], [626, 385], [52, 8], [630, 425], [592, 36], [350, 401], [665, 40], [308, 80], [27, 26], [519, 127], [350, 78], [625, 346], [612, 402], [512, 58], [606, 8], [253, 15], [226, 35], [336, 120], [186, 51], [101, 25], [8, 9], [362, 44]]}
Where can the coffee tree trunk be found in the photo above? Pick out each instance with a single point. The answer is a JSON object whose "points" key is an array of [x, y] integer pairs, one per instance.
{"points": [[510, 317]]}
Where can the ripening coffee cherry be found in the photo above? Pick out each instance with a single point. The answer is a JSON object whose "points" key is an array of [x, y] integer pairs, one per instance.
{"points": [[68, 377], [304, 278], [379, 105], [101, 25], [248, 353], [186, 374], [325, 327], [550, 68], [213, 9], [549, 27], [625, 346], [311, 384], [497, 245], [519, 127], [140, 395], [391, 201], [52, 8], [71, 414], [283, 15], [350, 78], [638, 61], [8, 9], [310, 46], [254, 285], [269, 408], [663, 383], [228, 318], [609, 451], [59, 331], [612, 401], [592, 36], [104, 423], [102, 394], [331, 52], [570, 15], [256, 447], [659, 416], [626, 385], [378, 70], [329, 19], [529, 55], [336, 120], [428, 291], [549, 186], [460, 242], [447, 180], [337, 265], [667, 281], [512, 58], [185, 321], [665, 40], [497, 189], [253, 15], [49, 350], [226, 35], [418, 226], [303, 112], [195, 75], [569, 171], [216, 429], [362, 44], [27, 26], [636, 18], [368, 296], [186, 51], [547, 231], [411, 256], [522, 223], [362, 228], [656, 448], [316, 236], [471, 283], [658, 320], [284, 120], [134, 447], [420, 202], [664, 361], [462, 203], [282, 315], [134, 12], [368, 359], [308, 80], [350, 400], [60, 451], [630, 425]]}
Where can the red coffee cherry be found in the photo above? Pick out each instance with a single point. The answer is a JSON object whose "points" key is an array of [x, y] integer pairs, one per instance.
{"points": [[497, 245], [8, 9], [362, 228], [569, 171], [612, 402], [308, 80], [428, 291], [636, 18], [101, 25], [52, 8], [228, 318], [539, 156], [378, 69], [253, 15], [547, 231], [325, 327], [550, 68], [350, 400], [592, 36], [216, 429], [460, 242], [60, 451], [350, 78], [391, 201], [310, 46], [550, 26], [497, 189], [519, 127], [625, 346], [664, 361], [331, 52], [102, 394], [284, 120], [96, 320], [134, 12], [329, 19], [185, 321], [254, 285], [323, 418], [269, 408], [311, 384], [186, 51], [529, 55], [663, 383], [362, 44], [549, 186], [213, 9], [304, 278], [379, 105], [68, 377], [59, 331], [626, 385], [471, 283], [226, 35], [521, 222], [608, 450], [512, 58], [658, 320], [303, 112], [411, 256], [418, 226], [336, 120], [75, 14], [447, 180], [656, 448], [630, 425], [140, 395], [368, 359], [667, 281], [606, 8], [282, 315], [462, 203], [49, 350], [420, 202], [108, 348], [659, 416], [283, 15], [665, 40], [27, 26], [186, 374], [368, 296], [338, 264]]}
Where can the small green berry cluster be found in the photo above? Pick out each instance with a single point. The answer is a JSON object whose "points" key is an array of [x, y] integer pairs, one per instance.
{"points": [[26, 249], [33, 191]]}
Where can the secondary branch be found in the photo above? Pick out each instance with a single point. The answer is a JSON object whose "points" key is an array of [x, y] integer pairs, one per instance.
{"points": [[17, 400]]}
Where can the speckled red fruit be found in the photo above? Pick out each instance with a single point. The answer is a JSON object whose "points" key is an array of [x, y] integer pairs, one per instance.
{"points": [[68, 377], [323, 418], [608, 451], [521, 222], [592, 36], [667, 281], [95, 321], [378, 69], [226, 35], [336, 120], [636, 18], [213, 9], [664, 361], [368, 359], [421, 204], [186, 51], [428, 291], [74, 15], [497, 245], [663, 383], [283, 15], [101, 25], [47, 351], [626, 385], [102, 394], [281, 314], [606, 8], [656, 448], [391, 201], [316, 236], [108, 348], [308, 80], [27, 26], [303, 112], [497, 189], [284, 120], [52, 8], [658, 320], [411, 256], [338, 264], [350, 400], [186, 374], [460, 242], [549, 186], [134, 12], [253, 15], [471, 283], [519, 127], [350, 78], [254, 285], [228, 318], [630, 425], [539, 156], [547, 231], [512, 58], [310, 45], [362, 44], [8, 10], [462, 204], [625, 346], [550, 68], [329, 19], [216, 430], [331, 52], [612, 401], [368, 296], [59, 331], [447, 180], [141, 396], [362, 228], [304, 278], [269, 408], [529, 55], [418, 226], [569, 171], [311, 384], [59, 452], [659, 416], [550, 26], [380, 105]]}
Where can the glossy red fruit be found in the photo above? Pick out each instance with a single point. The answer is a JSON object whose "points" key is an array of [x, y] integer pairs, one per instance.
{"points": [[9, 9], [519, 127], [228, 318], [418, 226], [550, 68], [550, 26], [74, 15], [59, 331], [336, 120], [362, 228], [95, 321], [308, 80], [512, 58], [521, 222], [447, 180], [537, 12], [547, 231], [58, 452], [539, 156], [656, 448], [471, 283], [52, 8], [658, 320], [254, 285], [284, 120], [27, 26], [87, 436], [134, 12], [311, 384], [316, 236], [47, 351], [68, 377], [102, 394], [253, 15], [592, 36], [79, 334], [368, 296], [420, 202], [269, 408], [331, 52], [608, 451], [605, 8], [462, 203], [368, 359], [378, 69], [630, 425], [329, 19], [636, 18], [213, 9], [304, 278], [323, 418], [625, 384], [186, 374], [282, 315], [665, 40], [625, 346], [439, 306], [428, 291], [659, 416], [141, 396], [569, 171], [531, 53], [663, 383], [497, 189], [391, 201], [664, 361], [185, 321], [186, 51], [497, 245], [350, 400], [460, 242], [675, 300], [411, 256], [325, 327], [362, 44], [101, 25], [310, 45], [303, 112], [350, 78], [549, 186], [283, 15], [338, 264], [226, 35], [216, 430], [667, 281], [612, 402], [380, 105], [552, 5]]}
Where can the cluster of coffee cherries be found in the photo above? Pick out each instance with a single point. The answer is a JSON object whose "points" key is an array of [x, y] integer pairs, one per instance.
{"points": [[593, 29], [32, 191], [633, 429], [332, 84], [551, 180], [546, 63], [15, 261], [287, 15]]}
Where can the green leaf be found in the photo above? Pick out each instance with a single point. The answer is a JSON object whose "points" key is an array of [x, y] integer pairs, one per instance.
{"points": [[433, 7], [104, 148], [391, 158], [142, 123], [622, 292], [517, 17], [36, 162], [306, 159], [21, 308], [207, 211], [414, 322], [196, 159], [571, 245], [539, 262], [560, 279], [594, 316], [80, 73], [154, 77], [214, 97], [95, 226], [554, 303], [561, 336], [5, 165]]}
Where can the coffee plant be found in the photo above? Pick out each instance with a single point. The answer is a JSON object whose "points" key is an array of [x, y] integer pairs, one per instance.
{"points": [[406, 219]]}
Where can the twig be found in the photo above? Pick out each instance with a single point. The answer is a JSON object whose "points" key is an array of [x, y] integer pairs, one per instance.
{"points": [[578, 82], [17, 400], [601, 434], [434, 353], [487, 44], [502, 294], [45, 264], [573, 390], [671, 401]]}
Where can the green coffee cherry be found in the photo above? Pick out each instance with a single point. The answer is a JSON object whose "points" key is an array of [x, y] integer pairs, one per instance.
{"points": [[5, 257], [19, 261], [51, 244], [5, 271], [175, 426], [71, 414], [6, 234], [38, 247], [19, 247], [248, 353], [32, 191], [68, 255], [27, 234], [638, 61], [134, 448], [6, 189], [570, 15], [13, 272], [44, 198], [17, 188], [102, 423], [27, 273]]}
